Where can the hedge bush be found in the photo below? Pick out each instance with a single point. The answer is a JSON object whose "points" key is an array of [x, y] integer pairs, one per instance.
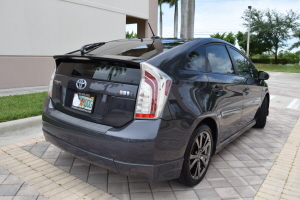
{"points": [[282, 61]]}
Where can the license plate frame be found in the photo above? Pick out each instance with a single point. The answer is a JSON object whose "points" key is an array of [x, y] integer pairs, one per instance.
{"points": [[83, 102]]}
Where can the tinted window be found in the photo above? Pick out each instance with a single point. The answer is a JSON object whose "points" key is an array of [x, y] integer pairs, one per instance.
{"points": [[135, 49], [198, 58], [219, 60], [102, 70], [244, 67]]}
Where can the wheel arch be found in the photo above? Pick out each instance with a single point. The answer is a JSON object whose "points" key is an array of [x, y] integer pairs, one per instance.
{"points": [[214, 129], [268, 98], [264, 96], [184, 178]]}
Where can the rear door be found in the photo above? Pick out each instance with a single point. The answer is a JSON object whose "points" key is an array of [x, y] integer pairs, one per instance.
{"points": [[226, 90], [101, 91], [252, 89]]}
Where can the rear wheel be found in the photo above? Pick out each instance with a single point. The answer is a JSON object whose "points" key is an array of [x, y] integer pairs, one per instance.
{"points": [[261, 115], [197, 156]]}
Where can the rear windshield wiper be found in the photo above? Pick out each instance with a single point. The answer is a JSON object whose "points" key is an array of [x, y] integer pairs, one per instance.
{"points": [[90, 47]]}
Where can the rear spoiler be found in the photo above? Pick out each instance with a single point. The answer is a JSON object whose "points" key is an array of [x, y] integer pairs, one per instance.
{"points": [[68, 58]]}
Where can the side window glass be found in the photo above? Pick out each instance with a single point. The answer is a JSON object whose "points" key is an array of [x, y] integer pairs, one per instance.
{"points": [[219, 60], [254, 70], [244, 67], [198, 58]]}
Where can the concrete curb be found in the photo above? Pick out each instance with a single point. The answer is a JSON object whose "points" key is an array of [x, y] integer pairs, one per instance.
{"points": [[22, 90], [16, 126]]}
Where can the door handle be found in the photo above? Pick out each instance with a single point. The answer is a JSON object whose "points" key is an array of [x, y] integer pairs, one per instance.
{"points": [[246, 90], [217, 89]]}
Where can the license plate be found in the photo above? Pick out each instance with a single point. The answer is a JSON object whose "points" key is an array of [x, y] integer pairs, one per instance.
{"points": [[83, 102]]}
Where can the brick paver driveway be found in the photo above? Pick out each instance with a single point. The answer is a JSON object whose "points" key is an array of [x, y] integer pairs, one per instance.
{"points": [[236, 172]]}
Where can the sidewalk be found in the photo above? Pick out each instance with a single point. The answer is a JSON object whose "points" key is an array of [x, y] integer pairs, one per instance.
{"points": [[23, 90]]}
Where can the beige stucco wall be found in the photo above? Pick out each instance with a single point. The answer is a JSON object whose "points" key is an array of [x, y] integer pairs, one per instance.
{"points": [[32, 31], [153, 13], [48, 27], [137, 8], [25, 71]]}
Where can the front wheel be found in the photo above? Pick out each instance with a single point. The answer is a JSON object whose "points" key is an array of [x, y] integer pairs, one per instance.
{"points": [[197, 156]]}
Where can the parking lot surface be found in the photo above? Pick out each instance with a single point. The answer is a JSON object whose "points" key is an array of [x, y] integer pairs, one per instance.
{"points": [[260, 164]]}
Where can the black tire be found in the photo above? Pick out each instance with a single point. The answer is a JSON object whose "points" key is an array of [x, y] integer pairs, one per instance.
{"points": [[192, 176], [261, 115]]}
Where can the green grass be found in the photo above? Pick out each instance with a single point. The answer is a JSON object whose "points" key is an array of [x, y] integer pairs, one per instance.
{"points": [[21, 106], [278, 68]]}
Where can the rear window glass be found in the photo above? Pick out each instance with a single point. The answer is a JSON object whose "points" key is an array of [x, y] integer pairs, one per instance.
{"points": [[103, 70], [135, 49]]}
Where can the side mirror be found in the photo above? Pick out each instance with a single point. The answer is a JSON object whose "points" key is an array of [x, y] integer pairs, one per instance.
{"points": [[263, 75]]}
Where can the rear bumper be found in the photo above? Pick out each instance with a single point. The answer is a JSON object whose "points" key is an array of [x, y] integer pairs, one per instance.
{"points": [[131, 154]]}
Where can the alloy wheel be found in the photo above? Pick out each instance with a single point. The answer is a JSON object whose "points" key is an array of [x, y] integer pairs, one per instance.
{"points": [[200, 154]]}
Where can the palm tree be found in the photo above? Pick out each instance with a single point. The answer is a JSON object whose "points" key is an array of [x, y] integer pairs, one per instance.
{"points": [[184, 18], [187, 18], [160, 2], [191, 19], [171, 3], [175, 4]]}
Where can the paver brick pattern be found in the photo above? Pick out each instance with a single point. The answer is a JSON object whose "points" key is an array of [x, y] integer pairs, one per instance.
{"points": [[52, 183], [13, 187], [237, 171], [283, 179]]}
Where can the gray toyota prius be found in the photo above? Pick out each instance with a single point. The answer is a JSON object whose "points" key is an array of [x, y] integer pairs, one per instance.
{"points": [[158, 108]]}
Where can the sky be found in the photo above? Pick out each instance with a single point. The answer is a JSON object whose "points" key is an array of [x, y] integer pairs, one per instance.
{"points": [[212, 16]]}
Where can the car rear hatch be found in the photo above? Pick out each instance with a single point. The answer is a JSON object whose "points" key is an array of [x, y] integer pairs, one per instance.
{"points": [[99, 90]]}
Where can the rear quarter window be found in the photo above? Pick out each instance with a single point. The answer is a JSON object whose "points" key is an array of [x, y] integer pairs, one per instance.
{"points": [[198, 58]]}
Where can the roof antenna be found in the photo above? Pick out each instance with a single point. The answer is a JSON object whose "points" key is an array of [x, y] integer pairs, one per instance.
{"points": [[154, 36]]}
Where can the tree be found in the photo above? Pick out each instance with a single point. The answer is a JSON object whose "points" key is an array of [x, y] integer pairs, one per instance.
{"points": [[131, 35], [160, 17], [175, 4], [293, 57], [272, 27], [160, 2], [230, 37], [191, 18], [297, 35], [257, 45], [187, 18], [184, 18], [296, 44]]}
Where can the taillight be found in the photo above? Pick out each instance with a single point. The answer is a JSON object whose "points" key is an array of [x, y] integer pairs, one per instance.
{"points": [[51, 84], [153, 92]]}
